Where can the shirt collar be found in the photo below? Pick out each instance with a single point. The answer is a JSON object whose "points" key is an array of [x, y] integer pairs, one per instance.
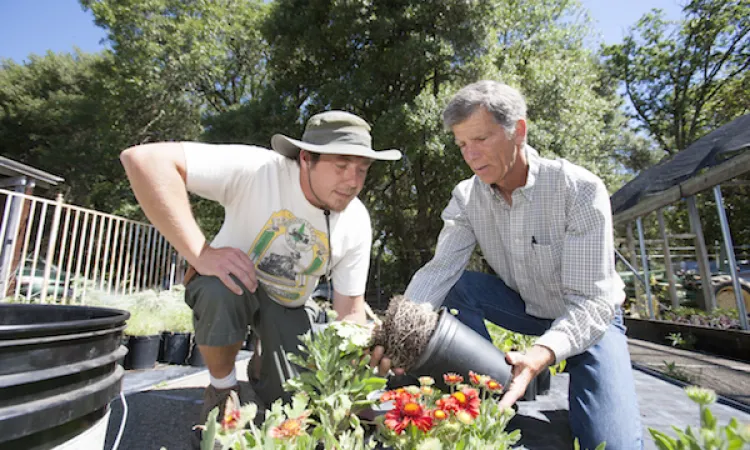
{"points": [[532, 159]]}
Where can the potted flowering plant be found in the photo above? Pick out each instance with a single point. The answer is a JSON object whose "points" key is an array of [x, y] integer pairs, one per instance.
{"points": [[338, 387], [468, 417]]}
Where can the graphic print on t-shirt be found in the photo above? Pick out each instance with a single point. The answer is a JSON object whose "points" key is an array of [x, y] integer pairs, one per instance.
{"points": [[289, 254]]}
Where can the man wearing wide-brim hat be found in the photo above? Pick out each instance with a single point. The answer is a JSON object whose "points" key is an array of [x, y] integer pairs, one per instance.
{"points": [[291, 216]]}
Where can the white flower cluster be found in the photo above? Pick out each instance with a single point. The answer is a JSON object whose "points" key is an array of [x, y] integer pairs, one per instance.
{"points": [[352, 334]]}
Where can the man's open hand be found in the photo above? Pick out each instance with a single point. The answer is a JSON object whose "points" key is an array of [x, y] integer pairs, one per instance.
{"points": [[225, 261], [525, 367], [379, 360]]}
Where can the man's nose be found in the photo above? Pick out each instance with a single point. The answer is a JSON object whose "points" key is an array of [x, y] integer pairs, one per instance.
{"points": [[353, 177], [470, 152]]}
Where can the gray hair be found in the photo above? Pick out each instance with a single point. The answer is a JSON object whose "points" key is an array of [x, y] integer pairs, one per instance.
{"points": [[506, 104]]}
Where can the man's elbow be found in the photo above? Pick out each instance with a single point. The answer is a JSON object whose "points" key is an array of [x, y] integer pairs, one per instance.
{"points": [[132, 157]]}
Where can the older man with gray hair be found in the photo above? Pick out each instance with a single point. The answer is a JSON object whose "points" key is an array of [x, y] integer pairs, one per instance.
{"points": [[545, 228]]}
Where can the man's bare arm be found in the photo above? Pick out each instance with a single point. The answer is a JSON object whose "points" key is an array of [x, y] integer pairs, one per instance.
{"points": [[158, 174], [350, 307]]}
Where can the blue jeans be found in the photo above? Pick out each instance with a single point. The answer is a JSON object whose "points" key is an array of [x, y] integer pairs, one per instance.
{"points": [[603, 405]]}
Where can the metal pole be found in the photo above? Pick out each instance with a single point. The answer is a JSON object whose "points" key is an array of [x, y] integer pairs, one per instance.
{"points": [[644, 264], [630, 267], [729, 246]]}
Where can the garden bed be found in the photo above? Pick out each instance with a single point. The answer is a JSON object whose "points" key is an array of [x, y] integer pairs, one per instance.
{"points": [[733, 344]]}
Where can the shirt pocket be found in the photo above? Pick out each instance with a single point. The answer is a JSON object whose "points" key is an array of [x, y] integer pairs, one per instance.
{"points": [[546, 261]]}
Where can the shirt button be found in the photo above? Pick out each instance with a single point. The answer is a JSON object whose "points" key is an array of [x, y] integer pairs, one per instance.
{"points": [[518, 241]]}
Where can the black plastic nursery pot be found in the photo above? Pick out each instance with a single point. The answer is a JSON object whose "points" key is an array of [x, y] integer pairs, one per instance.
{"points": [[143, 352], [175, 348], [543, 382], [195, 358], [539, 385], [454, 347], [58, 373]]}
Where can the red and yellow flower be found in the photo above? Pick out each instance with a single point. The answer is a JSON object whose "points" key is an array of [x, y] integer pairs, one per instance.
{"points": [[408, 413], [466, 400], [290, 428], [493, 385], [452, 379], [439, 414], [398, 395], [478, 380], [231, 419]]}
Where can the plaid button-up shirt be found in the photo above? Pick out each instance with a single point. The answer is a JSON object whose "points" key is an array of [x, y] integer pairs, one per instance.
{"points": [[553, 245]]}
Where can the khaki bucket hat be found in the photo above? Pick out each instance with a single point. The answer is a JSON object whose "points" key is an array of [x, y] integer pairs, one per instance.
{"points": [[335, 133]]}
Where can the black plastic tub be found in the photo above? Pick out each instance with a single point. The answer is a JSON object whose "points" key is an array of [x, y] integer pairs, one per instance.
{"points": [[58, 371]]}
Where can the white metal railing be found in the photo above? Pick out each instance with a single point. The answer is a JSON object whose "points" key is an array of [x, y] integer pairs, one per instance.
{"points": [[681, 249], [52, 251]]}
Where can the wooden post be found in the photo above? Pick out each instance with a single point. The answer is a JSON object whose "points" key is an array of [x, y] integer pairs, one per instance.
{"points": [[667, 260], [709, 299]]}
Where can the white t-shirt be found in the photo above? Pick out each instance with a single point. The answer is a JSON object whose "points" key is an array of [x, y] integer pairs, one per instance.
{"points": [[267, 216]]}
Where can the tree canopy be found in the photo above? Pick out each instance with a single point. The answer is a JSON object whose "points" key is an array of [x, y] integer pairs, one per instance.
{"points": [[242, 70]]}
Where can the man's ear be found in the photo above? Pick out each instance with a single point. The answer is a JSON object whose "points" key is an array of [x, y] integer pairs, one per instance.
{"points": [[304, 155], [520, 135]]}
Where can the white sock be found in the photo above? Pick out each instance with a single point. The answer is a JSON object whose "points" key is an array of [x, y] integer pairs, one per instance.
{"points": [[226, 382]]}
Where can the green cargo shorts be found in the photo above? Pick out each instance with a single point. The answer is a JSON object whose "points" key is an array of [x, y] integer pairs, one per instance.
{"points": [[221, 318]]}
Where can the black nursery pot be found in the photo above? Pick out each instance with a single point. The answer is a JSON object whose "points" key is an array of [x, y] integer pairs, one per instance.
{"points": [[543, 382], [454, 347], [195, 358], [142, 352], [175, 347]]}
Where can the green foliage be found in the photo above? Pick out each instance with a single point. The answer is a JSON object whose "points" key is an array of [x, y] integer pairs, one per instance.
{"points": [[684, 79], [710, 435], [151, 312], [240, 71], [210, 50], [577, 445], [672, 370], [71, 115], [338, 381], [329, 394], [510, 341]]}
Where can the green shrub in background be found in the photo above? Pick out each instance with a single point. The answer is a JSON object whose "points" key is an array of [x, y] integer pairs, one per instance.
{"points": [[151, 312]]}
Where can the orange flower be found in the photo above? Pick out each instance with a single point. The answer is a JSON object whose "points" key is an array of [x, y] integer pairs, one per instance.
{"points": [[289, 429], [408, 413], [452, 379], [478, 380], [493, 385], [399, 395], [439, 414], [465, 400]]}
